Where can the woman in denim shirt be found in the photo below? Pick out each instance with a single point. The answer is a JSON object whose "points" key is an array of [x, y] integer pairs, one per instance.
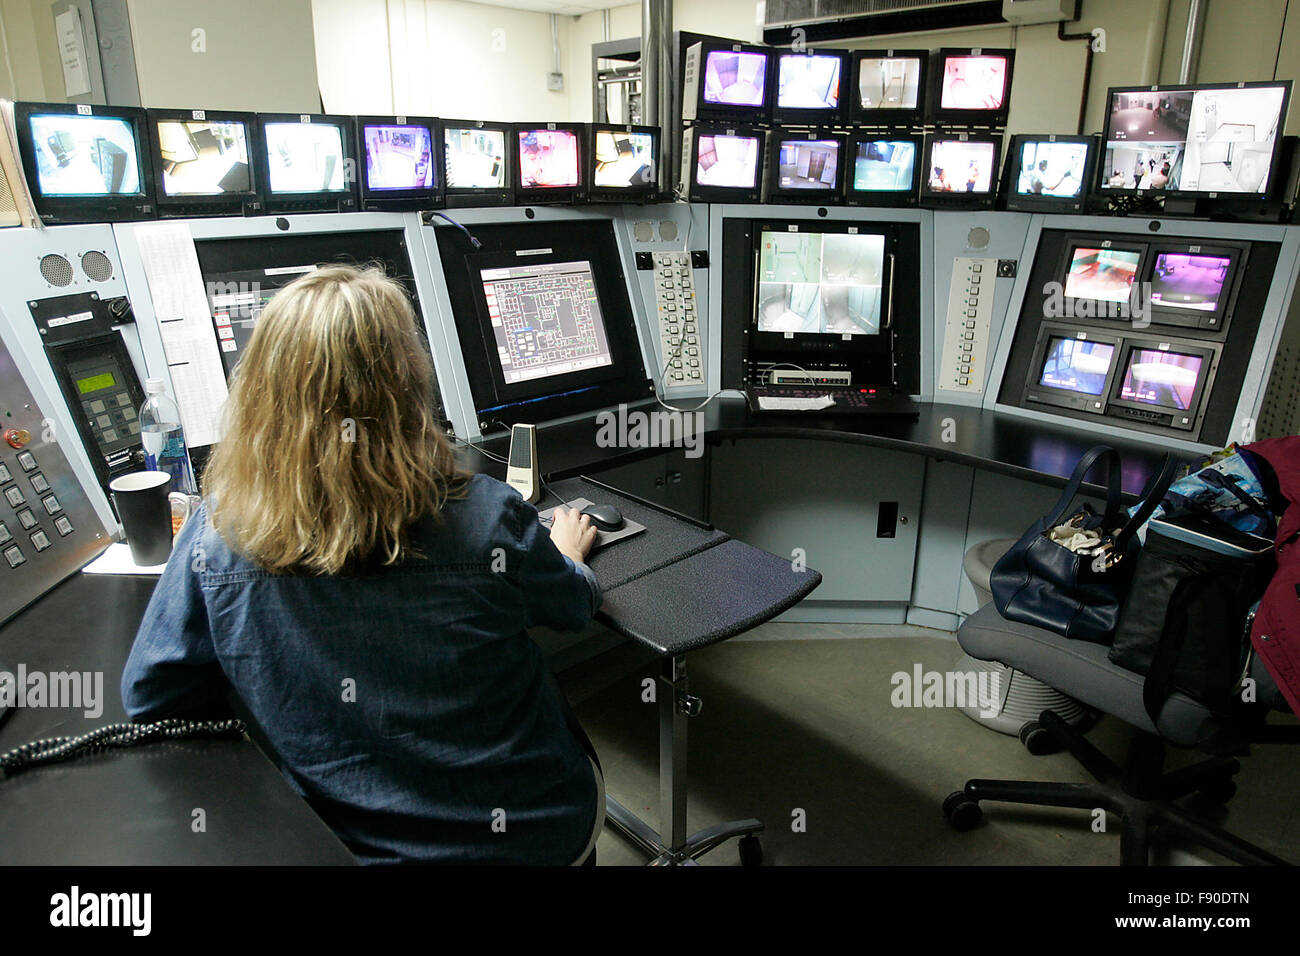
{"points": [[368, 601]]}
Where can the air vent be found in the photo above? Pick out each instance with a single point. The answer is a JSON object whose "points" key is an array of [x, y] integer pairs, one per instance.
{"points": [[56, 269], [8, 205], [821, 20], [97, 266]]}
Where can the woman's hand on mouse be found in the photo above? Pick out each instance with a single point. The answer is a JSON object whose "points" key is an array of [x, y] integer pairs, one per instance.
{"points": [[572, 533]]}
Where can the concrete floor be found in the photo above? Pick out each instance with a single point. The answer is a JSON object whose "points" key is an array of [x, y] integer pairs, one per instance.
{"points": [[807, 725]]}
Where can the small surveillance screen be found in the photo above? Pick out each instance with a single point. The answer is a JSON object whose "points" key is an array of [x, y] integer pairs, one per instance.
{"points": [[548, 158], [1142, 167], [398, 157], [475, 158], [1231, 138], [85, 155], [1051, 169], [1103, 275], [808, 163], [1076, 365], [202, 158], [958, 166], [974, 83], [889, 83], [1164, 379], [806, 81], [734, 78], [546, 319], [820, 282], [624, 159], [1187, 282], [884, 165], [305, 158], [727, 161]]}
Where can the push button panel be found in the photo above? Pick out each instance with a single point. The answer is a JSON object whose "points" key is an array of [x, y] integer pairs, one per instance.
{"points": [[677, 315], [962, 366]]}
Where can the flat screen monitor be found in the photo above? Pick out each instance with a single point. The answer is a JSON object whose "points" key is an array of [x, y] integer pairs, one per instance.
{"points": [[973, 87], [549, 163], [1220, 140], [884, 170], [807, 167], [309, 163], [723, 164], [1189, 283], [809, 87], [815, 283], [1049, 173], [400, 168], [889, 87], [727, 81], [202, 162], [85, 164], [624, 162], [1101, 274], [960, 172], [1161, 379], [477, 163]]}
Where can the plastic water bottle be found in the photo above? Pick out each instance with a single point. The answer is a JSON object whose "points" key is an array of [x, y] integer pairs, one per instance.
{"points": [[164, 440]]}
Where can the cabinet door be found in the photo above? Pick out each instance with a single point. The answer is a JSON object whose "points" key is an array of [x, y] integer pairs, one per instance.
{"points": [[852, 511]]}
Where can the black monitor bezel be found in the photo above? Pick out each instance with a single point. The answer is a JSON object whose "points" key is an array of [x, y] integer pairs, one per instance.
{"points": [[884, 197], [1036, 392], [475, 196], [723, 194], [246, 203], [110, 207], [706, 112], [1216, 320], [936, 113], [1120, 243], [647, 192], [908, 117], [549, 195], [344, 200], [499, 404], [934, 199], [1204, 378], [399, 200], [814, 345], [1020, 202], [774, 192], [805, 116], [1273, 172]]}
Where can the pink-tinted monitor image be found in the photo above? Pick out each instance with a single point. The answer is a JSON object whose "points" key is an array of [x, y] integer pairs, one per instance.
{"points": [[398, 157], [1166, 379], [1077, 365], [734, 78], [961, 167], [730, 161], [1189, 282], [1103, 275], [974, 83], [548, 158]]}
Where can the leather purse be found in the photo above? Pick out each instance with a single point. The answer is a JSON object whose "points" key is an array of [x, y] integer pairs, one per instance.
{"points": [[1078, 594]]}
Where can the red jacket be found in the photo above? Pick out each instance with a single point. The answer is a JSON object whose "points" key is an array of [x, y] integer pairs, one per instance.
{"points": [[1276, 632]]}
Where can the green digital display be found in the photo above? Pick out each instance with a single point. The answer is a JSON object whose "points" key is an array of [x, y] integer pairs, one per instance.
{"points": [[95, 383]]}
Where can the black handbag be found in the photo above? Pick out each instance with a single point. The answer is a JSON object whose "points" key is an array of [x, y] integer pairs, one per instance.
{"points": [[1184, 624], [1078, 593]]}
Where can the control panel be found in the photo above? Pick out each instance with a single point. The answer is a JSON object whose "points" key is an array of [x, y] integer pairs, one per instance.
{"points": [[678, 318], [962, 364], [48, 529]]}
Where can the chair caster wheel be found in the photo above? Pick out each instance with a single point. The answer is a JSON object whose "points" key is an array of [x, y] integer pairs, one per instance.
{"points": [[1219, 791], [961, 812], [751, 851], [1038, 740]]}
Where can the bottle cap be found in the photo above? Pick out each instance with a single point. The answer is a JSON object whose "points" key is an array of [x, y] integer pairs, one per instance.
{"points": [[154, 386]]}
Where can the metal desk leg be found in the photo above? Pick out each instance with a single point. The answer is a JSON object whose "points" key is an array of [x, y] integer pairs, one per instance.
{"points": [[676, 706]]}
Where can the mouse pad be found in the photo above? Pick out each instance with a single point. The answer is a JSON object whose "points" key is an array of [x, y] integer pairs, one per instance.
{"points": [[603, 538]]}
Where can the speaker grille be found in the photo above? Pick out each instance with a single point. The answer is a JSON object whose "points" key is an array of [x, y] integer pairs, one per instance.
{"points": [[56, 269], [8, 204], [97, 266]]}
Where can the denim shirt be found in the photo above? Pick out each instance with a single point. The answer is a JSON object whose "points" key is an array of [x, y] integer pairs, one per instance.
{"points": [[407, 705]]}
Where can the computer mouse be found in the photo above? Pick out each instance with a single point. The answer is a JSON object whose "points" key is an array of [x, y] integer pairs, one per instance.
{"points": [[604, 517]]}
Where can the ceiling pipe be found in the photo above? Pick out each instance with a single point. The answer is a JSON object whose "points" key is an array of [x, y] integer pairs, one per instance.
{"points": [[1192, 42]]}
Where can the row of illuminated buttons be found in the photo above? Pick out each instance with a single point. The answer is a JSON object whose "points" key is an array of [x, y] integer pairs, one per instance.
{"points": [[40, 540]]}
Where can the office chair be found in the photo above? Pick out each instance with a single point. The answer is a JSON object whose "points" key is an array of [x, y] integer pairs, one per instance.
{"points": [[1140, 792]]}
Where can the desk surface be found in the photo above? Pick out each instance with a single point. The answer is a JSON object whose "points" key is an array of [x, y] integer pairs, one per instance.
{"points": [[1012, 445]]}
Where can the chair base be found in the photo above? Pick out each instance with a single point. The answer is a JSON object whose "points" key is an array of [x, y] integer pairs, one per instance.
{"points": [[644, 838], [1140, 794]]}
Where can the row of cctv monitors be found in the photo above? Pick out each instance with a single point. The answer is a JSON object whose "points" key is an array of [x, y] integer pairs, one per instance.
{"points": [[749, 83], [112, 163]]}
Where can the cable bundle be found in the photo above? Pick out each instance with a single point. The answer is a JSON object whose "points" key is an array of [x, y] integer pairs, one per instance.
{"points": [[54, 749]]}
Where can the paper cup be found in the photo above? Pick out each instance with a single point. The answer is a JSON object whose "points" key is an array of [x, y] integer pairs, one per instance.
{"points": [[146, 515]]}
